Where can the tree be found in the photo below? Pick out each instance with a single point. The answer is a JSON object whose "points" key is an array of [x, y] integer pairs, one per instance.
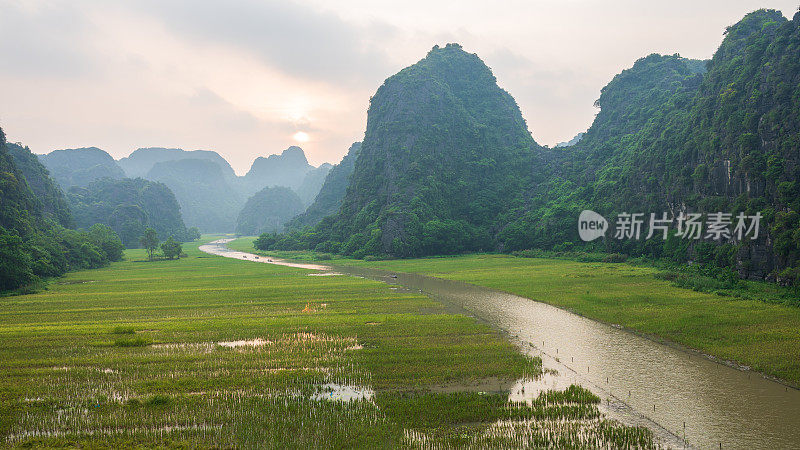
{"points": [[790, 276], [171, 248], [107, 240], [149, 242], [15, 263], [193, 234]]}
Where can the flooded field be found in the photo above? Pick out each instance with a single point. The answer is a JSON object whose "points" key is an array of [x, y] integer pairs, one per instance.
{"points": [[208, 351], [674, 391]]}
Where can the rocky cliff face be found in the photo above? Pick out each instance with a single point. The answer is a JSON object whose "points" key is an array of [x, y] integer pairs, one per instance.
{"points": [[748, 139]]}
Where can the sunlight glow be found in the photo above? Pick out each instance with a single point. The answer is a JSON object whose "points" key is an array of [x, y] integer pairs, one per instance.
{"points": [[301, 137]]}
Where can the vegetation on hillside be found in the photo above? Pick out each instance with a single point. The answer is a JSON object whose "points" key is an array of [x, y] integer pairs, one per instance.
{"points": [[128, 206], [52, 201], [722, 141], [141, 160], [208, 190], [312, 182], [286, 169], [32, 243]]}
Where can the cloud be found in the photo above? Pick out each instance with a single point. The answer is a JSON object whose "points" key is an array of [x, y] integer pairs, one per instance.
{"points": [[221, 112], [555, 95], [303, 42], [43, 40]]}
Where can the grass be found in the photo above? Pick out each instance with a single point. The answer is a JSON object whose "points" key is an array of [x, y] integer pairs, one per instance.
{"points": [[123, 330], [212, 352], [752, 324]]}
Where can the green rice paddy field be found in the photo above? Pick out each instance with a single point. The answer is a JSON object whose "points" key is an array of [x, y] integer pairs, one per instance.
{"points": [[746, 329], [213, 352]]}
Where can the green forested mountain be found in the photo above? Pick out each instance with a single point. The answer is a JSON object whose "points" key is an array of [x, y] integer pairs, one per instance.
{"points": [[139, 163], [447, 164], [672, 138], [52, 201], [128, 206], [19, 210], [634, 107], [268, 210], [32, 243], [207, 197], [287, 169], [80, 166], [445, 156], [331, 193], [312, 183]]}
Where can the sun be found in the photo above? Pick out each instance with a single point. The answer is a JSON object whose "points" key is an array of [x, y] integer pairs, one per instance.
{"points": [[301, 137]]}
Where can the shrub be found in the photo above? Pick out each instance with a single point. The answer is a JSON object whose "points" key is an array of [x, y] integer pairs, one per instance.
{"points": [[123, 330], [137, 341], [157, 400], [615, 258]]}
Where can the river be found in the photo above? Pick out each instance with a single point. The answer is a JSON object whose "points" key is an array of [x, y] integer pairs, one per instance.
{"points": [[676, 392]]}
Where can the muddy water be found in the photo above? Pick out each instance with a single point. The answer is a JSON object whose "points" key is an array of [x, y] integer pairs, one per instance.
{"points": [[640, 381]]}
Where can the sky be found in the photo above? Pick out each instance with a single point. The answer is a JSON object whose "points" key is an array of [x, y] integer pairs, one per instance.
{"points": [[249, 78]]}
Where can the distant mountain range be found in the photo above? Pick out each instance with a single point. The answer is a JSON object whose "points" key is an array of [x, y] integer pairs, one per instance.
{"points": [[571, 142], [209, 192], [139, 163], [80, 166]]}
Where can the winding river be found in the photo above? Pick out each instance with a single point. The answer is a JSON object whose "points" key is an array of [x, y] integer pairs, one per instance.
{"points": [[678, 393]]}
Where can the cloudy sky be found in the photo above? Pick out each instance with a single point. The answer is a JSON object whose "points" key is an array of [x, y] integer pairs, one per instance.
{"points": [[249, 78]]}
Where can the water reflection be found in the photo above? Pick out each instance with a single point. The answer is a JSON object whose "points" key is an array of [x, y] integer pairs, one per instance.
{"points": [[639, 380], [343, 393]]}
